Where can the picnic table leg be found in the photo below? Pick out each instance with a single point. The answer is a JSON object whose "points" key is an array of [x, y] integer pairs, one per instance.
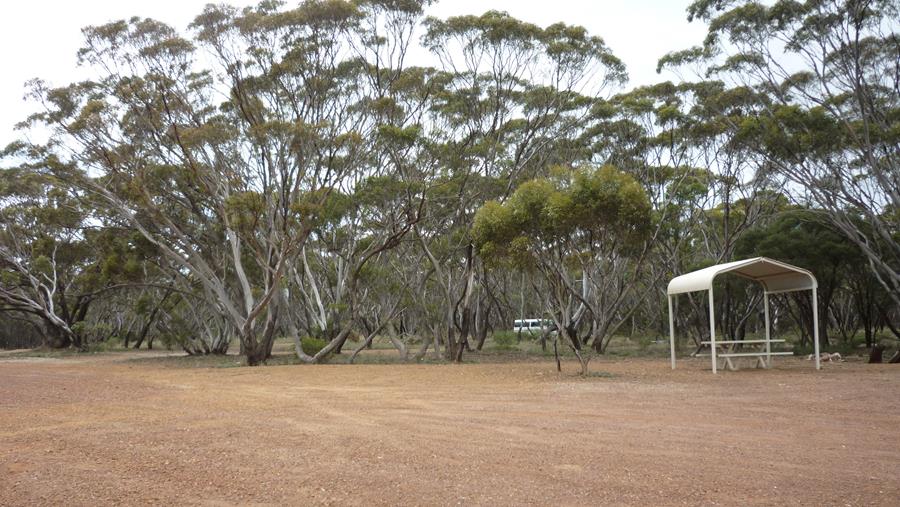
{"points": [[730, 364]]}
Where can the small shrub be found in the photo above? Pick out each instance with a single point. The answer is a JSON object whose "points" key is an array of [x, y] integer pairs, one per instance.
{"points": [[311, 346], [97, 347], [504, 340], [644, 342]]}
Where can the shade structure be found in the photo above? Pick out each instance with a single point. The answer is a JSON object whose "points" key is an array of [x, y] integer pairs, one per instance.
{"points": [[774, 276]]}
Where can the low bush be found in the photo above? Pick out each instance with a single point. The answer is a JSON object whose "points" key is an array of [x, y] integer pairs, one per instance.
{"points": [[311, 346], [504, 340]]}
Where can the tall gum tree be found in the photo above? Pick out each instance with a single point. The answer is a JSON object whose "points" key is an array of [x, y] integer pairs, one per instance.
{"points": [[48, 263], [585, 232], [211, 158], [371, 209], [518, 93], [827, 82]]}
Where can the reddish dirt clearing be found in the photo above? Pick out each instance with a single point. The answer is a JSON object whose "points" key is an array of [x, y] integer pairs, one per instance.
{"points": [[106, 430]]}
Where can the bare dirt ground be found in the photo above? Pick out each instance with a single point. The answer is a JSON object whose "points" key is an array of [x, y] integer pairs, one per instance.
{"points": [[106, 429]]}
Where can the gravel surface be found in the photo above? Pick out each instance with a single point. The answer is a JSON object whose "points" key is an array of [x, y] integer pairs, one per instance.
{"points": [[108, 430]]}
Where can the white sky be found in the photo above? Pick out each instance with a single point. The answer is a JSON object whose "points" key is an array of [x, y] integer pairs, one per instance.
{"points": [[40, 38]]}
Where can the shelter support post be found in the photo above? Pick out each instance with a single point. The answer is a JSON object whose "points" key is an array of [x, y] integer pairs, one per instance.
{"points": [[671, 333], [815, 312], [768, 332], [712, 330]]}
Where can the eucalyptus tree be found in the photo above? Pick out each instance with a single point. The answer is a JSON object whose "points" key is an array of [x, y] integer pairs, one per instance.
{"points": [[827, 82], [651, 133], [692, 152], [386, 296], [684, 135], [804, 238], [518, 94], [134, 289], [370, 211], [334, 281], [585, 233], [48, 263], [216, 157]]}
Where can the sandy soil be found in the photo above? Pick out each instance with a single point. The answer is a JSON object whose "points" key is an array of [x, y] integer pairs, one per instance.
{"points": [[108, 430]]}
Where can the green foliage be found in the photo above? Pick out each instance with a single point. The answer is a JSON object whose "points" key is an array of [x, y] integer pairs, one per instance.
{"points": [[803, 238], [605, 204], [323, 207], [504, 340], [311, 346], [792, 132], [400, 136]]}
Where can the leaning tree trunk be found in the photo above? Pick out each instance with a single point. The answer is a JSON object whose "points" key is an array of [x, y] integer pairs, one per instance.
{"points": [[463, 343], [451, 332], [397, 342], [150, 320], [481, 327], [341, 342], [59, 340], [60, 336], [220, 341], [257, 351], [254, 351], [575, 344]]}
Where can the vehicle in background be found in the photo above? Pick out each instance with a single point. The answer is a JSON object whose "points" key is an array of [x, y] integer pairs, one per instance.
{"points": [[533, 326]]}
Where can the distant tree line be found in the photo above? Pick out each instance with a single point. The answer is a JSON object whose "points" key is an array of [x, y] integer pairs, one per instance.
{"points": [[278, 171]]}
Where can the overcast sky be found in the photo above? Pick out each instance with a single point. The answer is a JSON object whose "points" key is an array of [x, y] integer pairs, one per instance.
{"points": [[39, 38]]}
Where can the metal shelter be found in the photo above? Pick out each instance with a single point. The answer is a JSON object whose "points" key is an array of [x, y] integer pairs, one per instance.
{"points": [[774, 276]]}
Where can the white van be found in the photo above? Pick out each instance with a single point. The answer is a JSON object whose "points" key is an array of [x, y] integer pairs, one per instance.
{"points": [[531, 325]]}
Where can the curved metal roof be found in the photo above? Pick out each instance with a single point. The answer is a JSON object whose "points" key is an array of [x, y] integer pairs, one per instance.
{"points": [[775, 276]]}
